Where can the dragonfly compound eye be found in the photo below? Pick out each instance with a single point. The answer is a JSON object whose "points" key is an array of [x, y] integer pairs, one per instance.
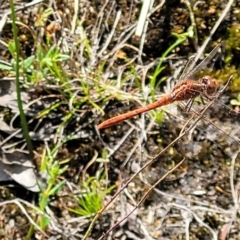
{"points": [[211, 84]]}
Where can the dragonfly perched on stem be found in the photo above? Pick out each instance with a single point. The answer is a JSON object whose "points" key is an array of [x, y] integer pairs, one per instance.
{"points": [[185, 89]]}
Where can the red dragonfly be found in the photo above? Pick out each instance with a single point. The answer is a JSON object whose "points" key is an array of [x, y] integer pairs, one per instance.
{"points": [[185, 89]]}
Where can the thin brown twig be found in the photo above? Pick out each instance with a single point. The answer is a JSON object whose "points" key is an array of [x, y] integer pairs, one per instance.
{"points": [[143, 198], [215, 27]]}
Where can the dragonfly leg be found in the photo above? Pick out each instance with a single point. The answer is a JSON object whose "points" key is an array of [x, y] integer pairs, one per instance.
{"points": [[189, 104], [210, 98]]}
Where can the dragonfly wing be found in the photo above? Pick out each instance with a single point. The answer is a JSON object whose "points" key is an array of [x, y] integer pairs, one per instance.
{"points": [[218, 123], [224, 123], [192, 70], [187, 68]]}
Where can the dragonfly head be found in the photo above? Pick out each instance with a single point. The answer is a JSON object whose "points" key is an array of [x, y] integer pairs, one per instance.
{"points": [[210, 84]]}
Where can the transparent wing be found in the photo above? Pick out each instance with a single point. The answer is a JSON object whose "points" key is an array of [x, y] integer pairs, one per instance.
{"points": [[190, 70], [222, 122]]}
